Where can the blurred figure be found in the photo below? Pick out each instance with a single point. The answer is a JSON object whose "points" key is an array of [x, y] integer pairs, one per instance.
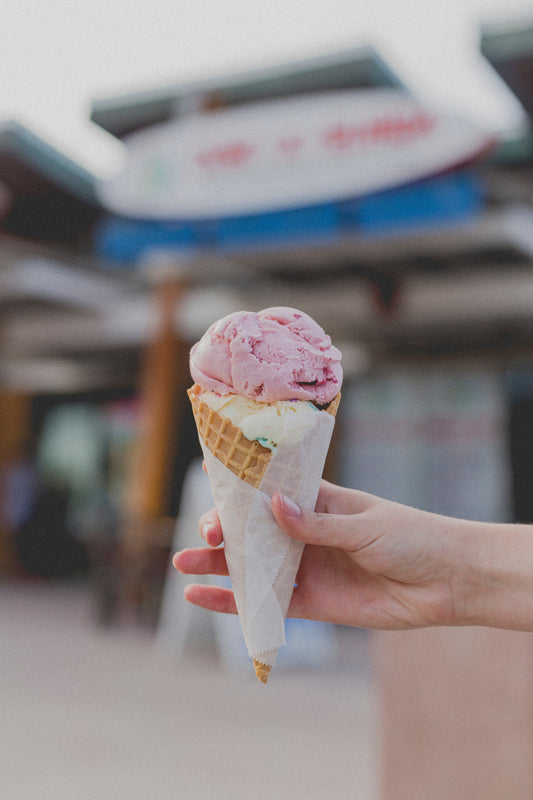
{"points": [[44, 544], [36, 514], [19, 489]]}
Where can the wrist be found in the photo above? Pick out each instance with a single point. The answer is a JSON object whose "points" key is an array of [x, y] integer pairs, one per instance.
{"points": [[494, 584]]}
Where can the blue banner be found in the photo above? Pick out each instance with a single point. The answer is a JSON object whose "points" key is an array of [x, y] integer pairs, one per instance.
{"points": [[443, 200]]}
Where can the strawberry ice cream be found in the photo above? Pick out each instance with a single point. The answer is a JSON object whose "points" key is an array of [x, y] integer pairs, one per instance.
{"points": [[276, 354]]}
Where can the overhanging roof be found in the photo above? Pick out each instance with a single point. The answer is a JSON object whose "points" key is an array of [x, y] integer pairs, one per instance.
{"points": [[30, 164], [353, 69], [509, 50], [46, 195], [468, 284]]}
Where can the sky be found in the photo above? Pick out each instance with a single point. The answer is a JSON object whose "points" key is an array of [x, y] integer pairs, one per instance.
{"points": [[57, 57]]}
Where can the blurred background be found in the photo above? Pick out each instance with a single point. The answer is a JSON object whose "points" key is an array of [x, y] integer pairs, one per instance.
{"points": [[371, 165]]}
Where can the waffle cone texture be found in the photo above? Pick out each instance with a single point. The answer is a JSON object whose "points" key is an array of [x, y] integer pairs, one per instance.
{"points": [[247, 459]]}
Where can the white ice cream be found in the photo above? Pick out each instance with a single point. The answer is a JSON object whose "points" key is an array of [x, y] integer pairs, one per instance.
{"points": [[286, 421]]}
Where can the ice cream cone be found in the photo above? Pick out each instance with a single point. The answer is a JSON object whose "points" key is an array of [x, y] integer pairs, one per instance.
{"points": [[264, 403], [247, 459]]}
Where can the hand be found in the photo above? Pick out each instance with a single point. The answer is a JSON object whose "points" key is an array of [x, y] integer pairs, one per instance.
{"points": [[367, 562]]}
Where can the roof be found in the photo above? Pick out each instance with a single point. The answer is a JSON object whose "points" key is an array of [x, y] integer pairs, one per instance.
{"points": [[353, 69], [509, 50], [46, 194], [27, 163]]}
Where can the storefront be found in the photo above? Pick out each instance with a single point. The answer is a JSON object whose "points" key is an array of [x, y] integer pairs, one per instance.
{"points": [[323, 186], [351, 201], [424, 281]]}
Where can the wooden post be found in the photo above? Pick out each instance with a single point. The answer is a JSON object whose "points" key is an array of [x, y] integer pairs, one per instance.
{"points": [[164, 377], [15, 432], [457, 714], [14, 422], [163, 381]]}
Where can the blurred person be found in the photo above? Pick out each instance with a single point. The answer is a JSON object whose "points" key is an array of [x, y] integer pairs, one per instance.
{"points": [[373, 563], [19, 487], [44, 543], [36, 514]]}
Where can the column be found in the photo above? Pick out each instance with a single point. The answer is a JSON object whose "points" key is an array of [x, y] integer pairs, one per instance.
{"points": [[15, 427], [163, 381], [457, 714]]}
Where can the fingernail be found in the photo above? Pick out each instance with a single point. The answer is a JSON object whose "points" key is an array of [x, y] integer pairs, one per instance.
{"points": [[206, 530], [289, 507]]}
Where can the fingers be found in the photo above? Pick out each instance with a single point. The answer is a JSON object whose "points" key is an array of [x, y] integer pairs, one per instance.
{"points": [[201, 561], [210, 528], [206, 561], [214, 598], [332, 530]]}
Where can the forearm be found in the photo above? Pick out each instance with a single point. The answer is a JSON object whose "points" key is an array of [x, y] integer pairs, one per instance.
{"points": [[494, 585]]}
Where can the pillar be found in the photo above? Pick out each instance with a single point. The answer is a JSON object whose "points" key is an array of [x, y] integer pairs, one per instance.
{"points": [[457, 714], [15, 430], [163, 380]]}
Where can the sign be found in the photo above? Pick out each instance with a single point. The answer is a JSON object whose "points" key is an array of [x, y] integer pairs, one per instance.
{"points": [[289, 153]]}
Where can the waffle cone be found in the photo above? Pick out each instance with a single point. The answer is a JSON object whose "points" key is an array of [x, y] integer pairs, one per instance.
{"points": [[247, 459]]}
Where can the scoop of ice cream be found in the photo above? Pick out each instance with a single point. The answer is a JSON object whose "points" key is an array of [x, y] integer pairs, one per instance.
{"points": [[276, 354], [282, 422]]}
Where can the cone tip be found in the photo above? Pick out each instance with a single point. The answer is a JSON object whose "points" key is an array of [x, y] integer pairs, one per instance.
{"points": [[262, 671]]}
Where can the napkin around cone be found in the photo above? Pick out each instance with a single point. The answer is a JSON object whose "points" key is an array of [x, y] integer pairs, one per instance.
{"points": [[262, 560]]}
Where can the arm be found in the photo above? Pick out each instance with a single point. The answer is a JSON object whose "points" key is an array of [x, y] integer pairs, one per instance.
{"points": [[374, 563]]}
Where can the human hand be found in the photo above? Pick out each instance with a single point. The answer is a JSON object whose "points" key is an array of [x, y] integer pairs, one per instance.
{"points": [[367, 562]]}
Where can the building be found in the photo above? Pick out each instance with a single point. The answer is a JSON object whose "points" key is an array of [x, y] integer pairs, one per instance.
{"points": [[427, 287]]}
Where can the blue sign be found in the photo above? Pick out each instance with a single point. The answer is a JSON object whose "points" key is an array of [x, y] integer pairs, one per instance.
{"points": [[443, 200]]}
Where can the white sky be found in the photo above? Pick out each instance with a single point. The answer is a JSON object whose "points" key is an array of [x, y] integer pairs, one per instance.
{"points": [[56, 57]]}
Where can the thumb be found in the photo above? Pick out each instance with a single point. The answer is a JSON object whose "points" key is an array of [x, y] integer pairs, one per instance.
{"points": [[332, 530]]}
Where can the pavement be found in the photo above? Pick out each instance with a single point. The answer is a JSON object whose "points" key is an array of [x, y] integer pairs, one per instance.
{"points": [[93, 713]]}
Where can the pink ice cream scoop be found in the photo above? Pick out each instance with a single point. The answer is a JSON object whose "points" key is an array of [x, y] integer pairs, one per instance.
{"points": [[276, 354]]}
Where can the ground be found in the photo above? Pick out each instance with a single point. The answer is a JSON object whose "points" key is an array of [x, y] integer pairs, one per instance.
{"points": [[102, 713]]}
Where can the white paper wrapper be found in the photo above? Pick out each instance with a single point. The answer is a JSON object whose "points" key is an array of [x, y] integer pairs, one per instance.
{"points": [[262, 560]]}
